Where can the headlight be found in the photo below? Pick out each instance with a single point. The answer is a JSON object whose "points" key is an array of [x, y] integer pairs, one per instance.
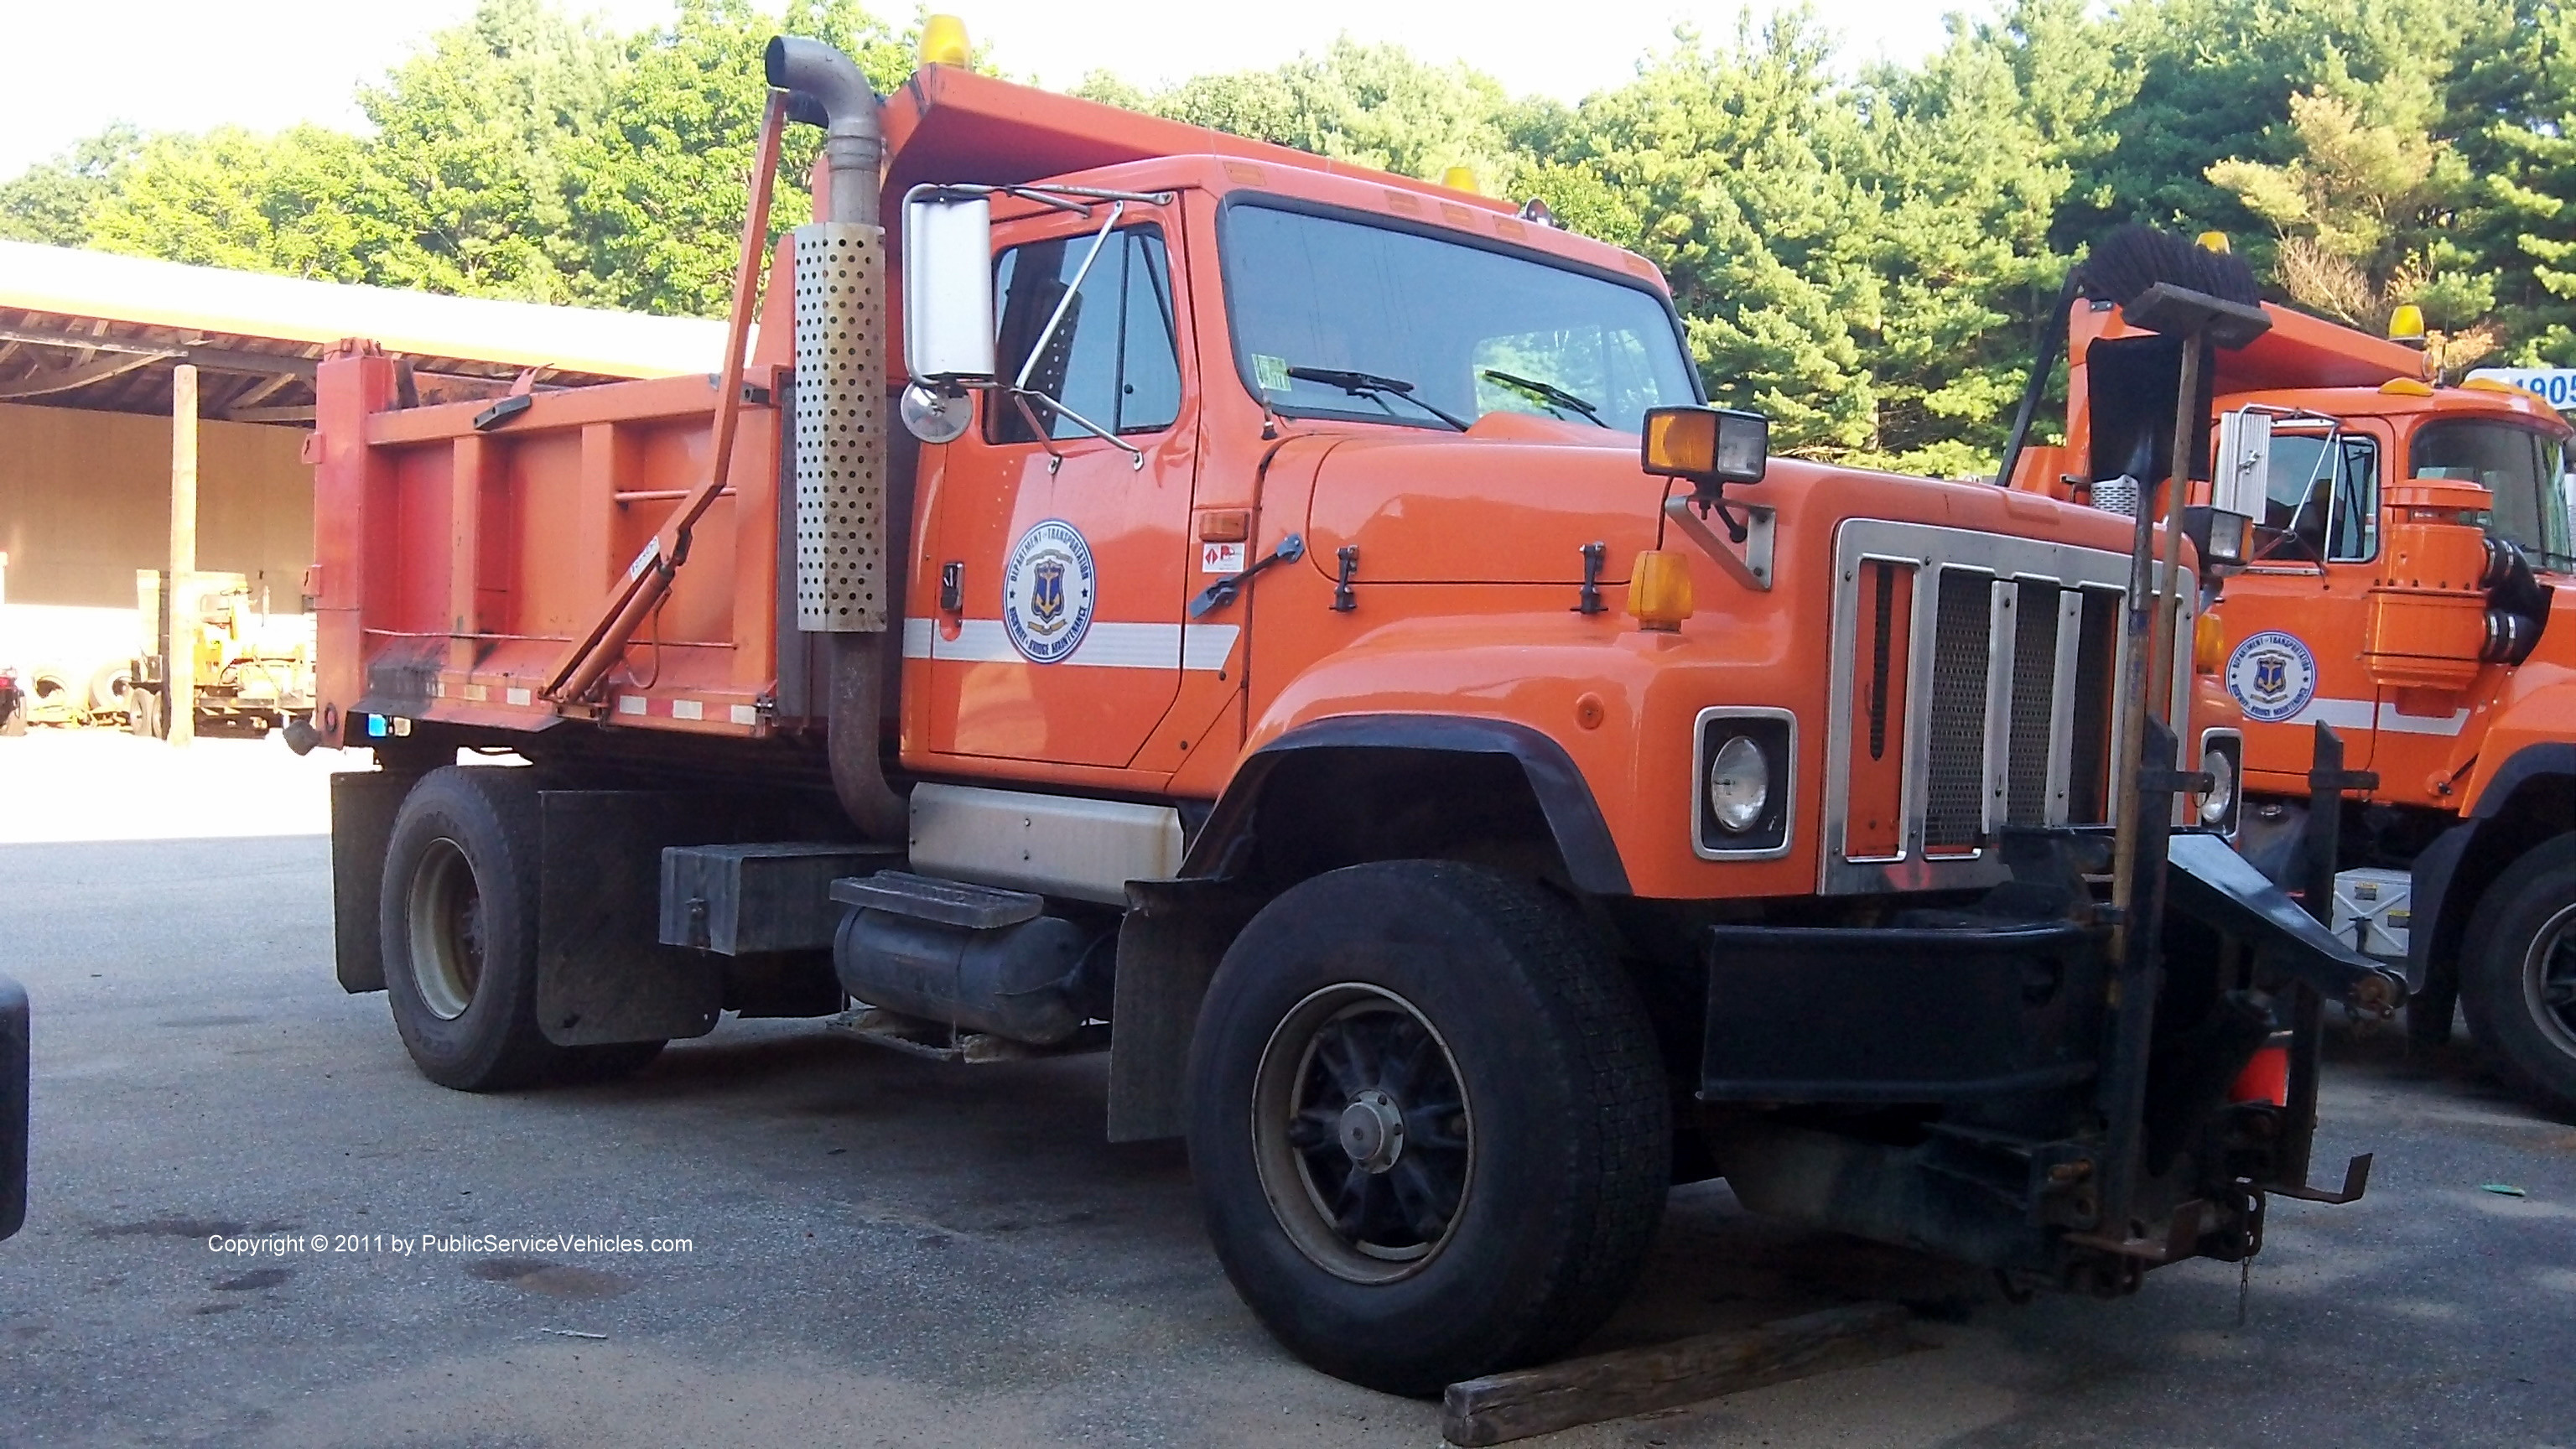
{"points": [[1739, 785], [2222, 787]]}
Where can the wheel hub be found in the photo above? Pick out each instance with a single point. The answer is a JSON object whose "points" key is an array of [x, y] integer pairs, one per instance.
{"points": [[1373, 1131], [1362, 1133]]}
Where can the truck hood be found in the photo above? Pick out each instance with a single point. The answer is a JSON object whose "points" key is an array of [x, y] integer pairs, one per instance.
{"points": [[1512, 500]]}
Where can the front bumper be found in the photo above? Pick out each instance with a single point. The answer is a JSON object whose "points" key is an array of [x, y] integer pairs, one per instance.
{"points": [[1966, 1084]]}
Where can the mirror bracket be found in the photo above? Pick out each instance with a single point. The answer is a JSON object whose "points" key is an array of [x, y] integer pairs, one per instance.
{"points": [[1750, 567]]}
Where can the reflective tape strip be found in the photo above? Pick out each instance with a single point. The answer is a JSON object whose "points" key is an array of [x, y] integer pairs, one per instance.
{"points": [[2362, 714], [1105, 646]]}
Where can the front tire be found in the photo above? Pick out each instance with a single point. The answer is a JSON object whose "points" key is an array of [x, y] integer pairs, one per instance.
{"points": [[1428, 1123], [2518, 974], [459, 930]]}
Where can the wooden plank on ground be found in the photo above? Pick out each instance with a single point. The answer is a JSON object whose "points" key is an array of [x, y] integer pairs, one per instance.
{"points": [[1502, 1407]]}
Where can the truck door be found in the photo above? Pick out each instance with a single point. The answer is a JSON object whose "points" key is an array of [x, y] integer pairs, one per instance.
{"points": [[1061, 639], [2295, 619]]}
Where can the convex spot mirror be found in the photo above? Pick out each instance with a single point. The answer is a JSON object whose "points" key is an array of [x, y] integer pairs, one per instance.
{"points": [[1708, 446], [947, 289]]}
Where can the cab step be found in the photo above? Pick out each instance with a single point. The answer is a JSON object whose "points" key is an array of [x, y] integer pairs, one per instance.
{"points": [[948, 902]]}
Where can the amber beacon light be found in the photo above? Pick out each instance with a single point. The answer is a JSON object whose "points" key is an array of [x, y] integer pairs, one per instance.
{"points": [[943, 41]]}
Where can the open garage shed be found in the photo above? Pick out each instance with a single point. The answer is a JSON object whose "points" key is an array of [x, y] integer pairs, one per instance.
{"points": [[152, 418]]}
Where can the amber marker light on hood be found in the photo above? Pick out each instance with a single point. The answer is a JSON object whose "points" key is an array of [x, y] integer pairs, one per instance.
{"points": [[2208, 644], [1659, 590]]}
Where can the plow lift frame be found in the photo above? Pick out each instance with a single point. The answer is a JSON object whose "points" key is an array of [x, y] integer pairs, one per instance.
{"points": [[2215, 884]]}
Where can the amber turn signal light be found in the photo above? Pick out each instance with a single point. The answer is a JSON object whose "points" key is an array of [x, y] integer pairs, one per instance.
{"points": [[1659, 590], [1706, 445], [2208, 644]]}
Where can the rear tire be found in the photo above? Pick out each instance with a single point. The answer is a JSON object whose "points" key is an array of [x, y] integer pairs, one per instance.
{"points": [[1428, 1122], [459, 930], [108, 688], [2518, 974], [143, 714]]}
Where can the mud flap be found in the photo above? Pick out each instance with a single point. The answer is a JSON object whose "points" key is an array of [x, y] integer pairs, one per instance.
{"points": [[363, 806], [603, 974], [2212, 884], [1169, 944]]}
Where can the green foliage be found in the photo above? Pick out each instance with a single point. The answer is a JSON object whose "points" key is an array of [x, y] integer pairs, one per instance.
{"points": [[52, 202], [1371, 104], [1866, 256]]}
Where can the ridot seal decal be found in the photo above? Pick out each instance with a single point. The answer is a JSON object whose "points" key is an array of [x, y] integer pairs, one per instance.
{"points": [[2273, 675], [1047, 592]]}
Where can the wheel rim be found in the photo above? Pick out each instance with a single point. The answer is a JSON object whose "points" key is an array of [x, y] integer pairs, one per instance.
{"points": [[446, 915], [2549, 980], [1362, 1133]]}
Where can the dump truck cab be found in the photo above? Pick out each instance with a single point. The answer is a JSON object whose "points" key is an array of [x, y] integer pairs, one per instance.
{"points": [[1302, 631], [2401, 581]]}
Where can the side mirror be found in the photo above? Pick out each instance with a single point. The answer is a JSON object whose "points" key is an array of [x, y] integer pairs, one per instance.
{"points": [[2237, 484], [2239, 480], [1709, 446], [947, 289]]}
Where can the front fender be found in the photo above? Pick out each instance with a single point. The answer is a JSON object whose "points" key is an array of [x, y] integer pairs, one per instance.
{"points": [[1574, 817], [1619, 703], [2528, 732]]}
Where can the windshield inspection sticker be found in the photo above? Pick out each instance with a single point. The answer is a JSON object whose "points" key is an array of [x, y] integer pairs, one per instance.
{"points": [[1047, 592], [1220, 558], [1270, 372], [2273, 675]]}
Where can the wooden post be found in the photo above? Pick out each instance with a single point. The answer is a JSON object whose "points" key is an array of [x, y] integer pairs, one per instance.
{"points": [[1515, 1405], [179, 644]]}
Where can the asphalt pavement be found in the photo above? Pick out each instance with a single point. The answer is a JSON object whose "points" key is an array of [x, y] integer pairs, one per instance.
{"points": [[806, 1240]]}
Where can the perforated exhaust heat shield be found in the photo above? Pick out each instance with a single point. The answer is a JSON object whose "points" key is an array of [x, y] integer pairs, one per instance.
{"points": [[840, 428]]}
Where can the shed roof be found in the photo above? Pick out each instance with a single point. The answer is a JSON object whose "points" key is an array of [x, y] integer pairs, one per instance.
{"points": [[97, 330]]}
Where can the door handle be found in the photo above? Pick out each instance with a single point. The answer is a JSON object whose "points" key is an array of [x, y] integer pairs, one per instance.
{"points": [[952, 586], [1221, 593]]}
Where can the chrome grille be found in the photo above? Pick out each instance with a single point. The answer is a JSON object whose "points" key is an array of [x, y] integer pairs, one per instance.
{"points": [[1962, 644], [2010, 663], [2034, 694]]}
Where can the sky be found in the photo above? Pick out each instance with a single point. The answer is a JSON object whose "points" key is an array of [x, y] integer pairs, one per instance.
{"points": [[188, 65]]}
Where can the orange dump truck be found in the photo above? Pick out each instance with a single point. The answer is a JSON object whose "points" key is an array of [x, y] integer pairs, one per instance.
{"points": [[2407, 559], [1309, 638]]}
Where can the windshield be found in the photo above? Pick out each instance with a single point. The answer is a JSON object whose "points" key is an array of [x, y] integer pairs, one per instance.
{"points": [[2521, 467], [1341, 319]]}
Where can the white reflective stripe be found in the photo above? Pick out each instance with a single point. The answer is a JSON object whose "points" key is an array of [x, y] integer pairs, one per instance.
{"points": [[2361, 714], [2343, 714], [2409, 724], [1104, 646], [1207, 646]]}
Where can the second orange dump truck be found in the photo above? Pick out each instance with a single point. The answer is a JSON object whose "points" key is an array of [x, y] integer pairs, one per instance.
{"points": [[2404, 581], [1308, 637]]}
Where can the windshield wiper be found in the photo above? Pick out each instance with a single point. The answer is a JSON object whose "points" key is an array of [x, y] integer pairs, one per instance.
{"points": [[1548, 393], [1370, 385]]}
